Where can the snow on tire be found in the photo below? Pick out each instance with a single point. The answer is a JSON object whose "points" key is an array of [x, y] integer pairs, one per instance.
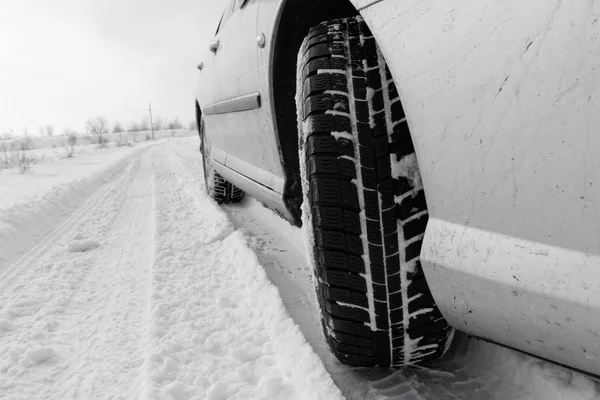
{"points": [[217, 187], [364, 208]]}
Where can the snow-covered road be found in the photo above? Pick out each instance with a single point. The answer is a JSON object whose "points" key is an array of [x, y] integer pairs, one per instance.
{"points": [[136, 285], [147, 291]]}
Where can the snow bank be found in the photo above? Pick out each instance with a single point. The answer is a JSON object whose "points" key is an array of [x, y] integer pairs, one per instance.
{"points": [[519, 376], [219, 329]]}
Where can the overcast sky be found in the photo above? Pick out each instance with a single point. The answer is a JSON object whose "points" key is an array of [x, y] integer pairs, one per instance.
{"points": [[62, 61]]}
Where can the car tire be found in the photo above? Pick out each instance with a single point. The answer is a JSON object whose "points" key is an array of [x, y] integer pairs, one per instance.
{"points": [[217, 187], [364, 209]]}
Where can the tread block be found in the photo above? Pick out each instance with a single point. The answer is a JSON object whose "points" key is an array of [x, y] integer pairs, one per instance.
{"points": [[376, 254], [371, 204], [394, 282], [345, 296], [362, 111], [374, 232], [346, 168], [369, 178], [377, 101], [382, 147], [374, 78], [398, 112], [391, 244], [336, 218], [389, 222], [329, 164], [393, 91], [359, 86], [402, 185], [415, 227], [400, 133], [360, 345], [384, 168], [411, 205], [349, 195], [380, 293], [332, 240], [365, 134], [325, 62], [340, 260], [319, 83], [378, 274], [392, 264], [335, 240], [349, 313], [413, 250], [344, 279], [325, 190]]}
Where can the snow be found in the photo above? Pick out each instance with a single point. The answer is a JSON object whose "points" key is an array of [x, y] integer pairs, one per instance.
{"points": [[408, 168], [36, 355], [143, 289], [171, 302], [83, 245], [49, 191]]}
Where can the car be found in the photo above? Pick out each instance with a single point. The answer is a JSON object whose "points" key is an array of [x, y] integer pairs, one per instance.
{"points": [[439, 157]]}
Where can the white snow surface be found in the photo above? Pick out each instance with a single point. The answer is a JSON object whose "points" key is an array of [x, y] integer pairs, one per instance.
{"points": [[141, 288]]}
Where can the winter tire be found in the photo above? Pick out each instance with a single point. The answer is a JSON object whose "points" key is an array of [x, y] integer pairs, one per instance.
{"points": [[364, 209], [217, 187]]}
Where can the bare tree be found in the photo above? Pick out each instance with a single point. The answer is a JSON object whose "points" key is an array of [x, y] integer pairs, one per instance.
{"points": [[118, 128], [193, 126], [46, 130], [158, 124], [175, 124], [21, 149], [133, 127], [5, 145], [69, 145], [98, 126], [145, 124]]}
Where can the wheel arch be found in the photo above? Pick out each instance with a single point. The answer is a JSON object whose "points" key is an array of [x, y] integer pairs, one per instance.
{"points": [[293, 22], [198, 115]]}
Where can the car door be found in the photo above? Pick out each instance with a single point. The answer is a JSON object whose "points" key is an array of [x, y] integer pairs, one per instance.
{"points": [[238, 114], [210, 76]]}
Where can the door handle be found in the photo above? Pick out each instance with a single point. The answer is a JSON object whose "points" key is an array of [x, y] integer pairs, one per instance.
{"points": [[214, 46]]}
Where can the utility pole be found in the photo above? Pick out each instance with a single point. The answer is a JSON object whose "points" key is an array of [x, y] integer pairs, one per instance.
{"points": [[151, 123]]}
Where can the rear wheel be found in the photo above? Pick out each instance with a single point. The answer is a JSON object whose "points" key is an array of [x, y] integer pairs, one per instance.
{"points": [[217, 187], [364, 208]]}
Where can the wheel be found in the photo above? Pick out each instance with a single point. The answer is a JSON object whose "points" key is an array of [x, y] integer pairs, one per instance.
{"points": [[364, 209], [217, 187]]}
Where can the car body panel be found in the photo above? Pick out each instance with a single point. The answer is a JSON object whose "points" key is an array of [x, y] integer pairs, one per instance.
{"points": [[503, 102], [238, 96], [502, 99]]}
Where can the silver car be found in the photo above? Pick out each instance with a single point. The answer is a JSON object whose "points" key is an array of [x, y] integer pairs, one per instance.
{"points": [[439, 155]]}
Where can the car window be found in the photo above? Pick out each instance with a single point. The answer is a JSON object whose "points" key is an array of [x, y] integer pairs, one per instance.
{"points": [[226, 14]]}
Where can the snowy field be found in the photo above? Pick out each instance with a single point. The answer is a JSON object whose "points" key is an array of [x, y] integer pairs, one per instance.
{"points": [[121, 279]]}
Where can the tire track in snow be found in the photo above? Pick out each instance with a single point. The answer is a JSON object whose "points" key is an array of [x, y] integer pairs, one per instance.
{"points": [[15, 269], [113, 299], [76, 319]]}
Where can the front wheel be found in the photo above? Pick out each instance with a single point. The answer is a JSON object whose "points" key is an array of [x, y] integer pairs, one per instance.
{"points": [[217, 187], [364, 208]]}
